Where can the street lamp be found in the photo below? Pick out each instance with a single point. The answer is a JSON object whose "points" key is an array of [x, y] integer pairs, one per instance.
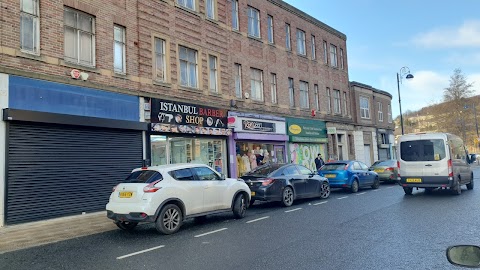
{"points": [[404, 72]]}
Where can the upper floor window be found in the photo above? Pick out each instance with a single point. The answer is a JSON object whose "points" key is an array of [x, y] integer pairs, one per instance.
{"points": [[238, 80], [188, 67], [291, 92], [304, 101], [329, 101], [337, 103], [210, 9], [119, 49], [325, 52], [270, 29], [288, 40], [190, 4], [316, 100], [253, 22], [333, 55], [29, 26], [160, 59], [384, 138], [314, 48], [390, 120], [79, 44], [256, 84], [273, 87], [212, 63], [380, 112], [342, 61], [364, 108], [235, 14], [345, 110], [301, 42]]}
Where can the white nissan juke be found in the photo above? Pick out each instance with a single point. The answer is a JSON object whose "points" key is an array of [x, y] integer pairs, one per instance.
{"points": [[168, 194]]}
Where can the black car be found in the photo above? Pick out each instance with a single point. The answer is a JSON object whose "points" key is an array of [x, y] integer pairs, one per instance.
{"points": [[285, 183]]}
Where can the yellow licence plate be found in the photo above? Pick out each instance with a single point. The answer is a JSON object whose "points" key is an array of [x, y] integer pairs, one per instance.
{"points": [[330, 175], [253, 193], [414, 180], [125, 194], [379, 170]]}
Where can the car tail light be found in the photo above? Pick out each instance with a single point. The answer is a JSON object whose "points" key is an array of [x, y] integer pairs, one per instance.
{"points": [[150, 188], [389, 169], [398, 166], [450, 168], [268, 181], [115, 187]]}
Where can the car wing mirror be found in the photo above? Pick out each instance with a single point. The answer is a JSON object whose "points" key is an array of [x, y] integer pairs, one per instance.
{"points": [[464, 255]]}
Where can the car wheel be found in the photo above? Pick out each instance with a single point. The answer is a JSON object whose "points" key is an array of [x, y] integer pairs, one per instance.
{"points": [[252, 201], [376, 183], [287, 197], [408, 190], [170, 219], [126, 225], [354, 187], [240, 206], [457, 188], [470, 185], [324, 190]]}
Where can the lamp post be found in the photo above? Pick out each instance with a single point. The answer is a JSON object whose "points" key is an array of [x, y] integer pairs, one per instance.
{"points": [[404, 72]]}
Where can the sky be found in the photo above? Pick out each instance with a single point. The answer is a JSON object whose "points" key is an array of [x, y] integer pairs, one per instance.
{"points": [[430, 37]]}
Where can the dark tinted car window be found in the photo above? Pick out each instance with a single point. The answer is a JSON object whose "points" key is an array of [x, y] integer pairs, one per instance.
{"points": [[205, 173], [182, 175], [390, 163], [264, 170], [290, 170], [422, 150], [144, 176], [334, 167], [303, 170]]}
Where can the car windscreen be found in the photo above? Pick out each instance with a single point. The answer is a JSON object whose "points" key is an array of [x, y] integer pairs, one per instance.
{"points": [[334, 167], [144, 176], [264, 171], [390, 163], [422, 150]]}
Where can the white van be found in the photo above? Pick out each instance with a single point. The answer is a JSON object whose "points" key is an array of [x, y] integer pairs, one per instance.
{"points": [[433, 160]]}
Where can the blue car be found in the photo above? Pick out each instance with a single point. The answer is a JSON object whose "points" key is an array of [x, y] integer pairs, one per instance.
{"points": [[349, 175]]}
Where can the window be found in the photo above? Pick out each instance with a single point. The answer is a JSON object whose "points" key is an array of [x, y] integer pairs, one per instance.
{"points": [[426, 150], [304, 102], [342, 65], [384, 138], [160, 65], [29, 26], [364, 108], [211, 9], [291, 92], [336, 102], [290, 170], [380, 112], [79, 44], [288, 41], [188, 67], [235, 14], [333, 55], [325, 52], [329, 101], [345, 110], [303, 170], [205, 174], [144, 177], [314, 49], [315, 90], [301, 42], [390, 113], [183, 175], [212, 63], [270, 29], [190, 4], [253, 22], [119, 49], [273, 87], [238, 80], [256, 84]]}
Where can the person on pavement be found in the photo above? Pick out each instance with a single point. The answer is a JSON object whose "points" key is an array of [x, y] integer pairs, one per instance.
{"points": [[319, 162]]}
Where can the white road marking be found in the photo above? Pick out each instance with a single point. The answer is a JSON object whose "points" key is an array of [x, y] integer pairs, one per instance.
{"points": [[341, 198], [320, 203], [361, 193], [203, 234], [139, 252], [258, 219], [296, 209]]}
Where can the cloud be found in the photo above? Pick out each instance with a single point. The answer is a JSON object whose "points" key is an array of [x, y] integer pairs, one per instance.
{"points": [[463, 59], [465, 35]]}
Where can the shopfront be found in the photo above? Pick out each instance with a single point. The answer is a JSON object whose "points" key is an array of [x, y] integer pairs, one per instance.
{"points": [[307, 139], [188, 133], [256, 140]]}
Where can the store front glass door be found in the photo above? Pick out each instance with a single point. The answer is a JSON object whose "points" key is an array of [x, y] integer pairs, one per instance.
{"points": [[280, 154]]}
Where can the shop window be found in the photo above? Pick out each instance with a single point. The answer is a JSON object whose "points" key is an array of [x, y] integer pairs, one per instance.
{"points": [[251, 155]]}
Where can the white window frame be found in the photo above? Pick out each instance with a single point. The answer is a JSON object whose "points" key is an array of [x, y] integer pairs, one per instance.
{"points": [[210, 9], [301, 40], [78, 32], [291, 92], [120, 42], [364, 107], [288, 38], [304, 95], [188, 64], [342, 62], [238, 80], [163, 64], [213, 73], [345, 107], [380, 112], [270, 32], [390, 120], [325, 52], [329, 100], [253, 22], [256, 80], [235, 24], [337, 105], [34, 16], [188, 4], [273, 87], [315, 90], [314, 48], [333, 55]]}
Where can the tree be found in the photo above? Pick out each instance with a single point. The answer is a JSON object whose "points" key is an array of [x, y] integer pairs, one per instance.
{"points": [[459, 87]]}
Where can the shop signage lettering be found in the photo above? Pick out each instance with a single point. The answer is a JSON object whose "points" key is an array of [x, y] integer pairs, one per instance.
{"points": [[306, 128], [258, 126]]}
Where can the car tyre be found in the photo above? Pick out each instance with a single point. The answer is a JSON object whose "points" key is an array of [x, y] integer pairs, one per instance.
{"points": [[287, 196], [354, 187], [376, 183], [457, 188], [126, 225], [240, 206], [324, 190], [408, 190], [470, 185], [169, 220]]}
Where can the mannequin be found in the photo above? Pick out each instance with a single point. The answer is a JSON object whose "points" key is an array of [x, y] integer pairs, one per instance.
{"points": [[253, 160], [246, 163], [240, 165], [260, 157], [266, 156]]}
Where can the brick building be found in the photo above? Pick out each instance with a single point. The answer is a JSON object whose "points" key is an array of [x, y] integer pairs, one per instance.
{"points": [[95, 87]]}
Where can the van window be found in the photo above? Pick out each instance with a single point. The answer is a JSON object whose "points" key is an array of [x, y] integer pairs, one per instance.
{"points": [[422, 150]]}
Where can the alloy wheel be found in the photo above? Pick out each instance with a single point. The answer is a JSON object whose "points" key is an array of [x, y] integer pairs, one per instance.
{"points": [[171, 219], [288, 196], [325, 191]]}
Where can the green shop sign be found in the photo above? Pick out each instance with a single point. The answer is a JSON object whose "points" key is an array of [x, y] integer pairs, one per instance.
{"points": [[303, 130]]}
